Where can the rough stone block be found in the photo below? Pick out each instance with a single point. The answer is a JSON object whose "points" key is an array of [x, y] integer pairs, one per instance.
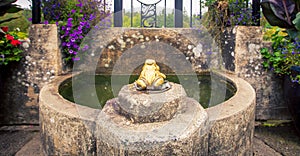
{"points": [[22, 81]]}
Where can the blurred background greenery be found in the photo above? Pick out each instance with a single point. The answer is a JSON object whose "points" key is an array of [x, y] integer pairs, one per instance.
{"points": [[17, 20]]}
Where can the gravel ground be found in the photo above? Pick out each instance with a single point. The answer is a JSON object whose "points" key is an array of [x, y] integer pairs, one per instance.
{"points": [[268, 141]]}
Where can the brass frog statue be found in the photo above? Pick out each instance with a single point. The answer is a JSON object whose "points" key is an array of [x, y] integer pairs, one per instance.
{"points": [[151, 78]]}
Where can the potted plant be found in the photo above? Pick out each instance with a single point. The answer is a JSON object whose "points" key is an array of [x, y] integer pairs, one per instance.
{"points": [[284, 57]]}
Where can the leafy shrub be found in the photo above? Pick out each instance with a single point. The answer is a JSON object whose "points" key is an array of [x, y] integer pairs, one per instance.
{"points": [[284, 55]]}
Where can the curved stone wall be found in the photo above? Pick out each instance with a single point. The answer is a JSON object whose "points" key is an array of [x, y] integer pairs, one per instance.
{"points": [[232, 122], [196, 46]]}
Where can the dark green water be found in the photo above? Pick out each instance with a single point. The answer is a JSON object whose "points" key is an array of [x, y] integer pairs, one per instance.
{"points": [[209, 91]]}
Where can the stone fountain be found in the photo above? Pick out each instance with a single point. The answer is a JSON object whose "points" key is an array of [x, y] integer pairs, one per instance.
{"points": [[157, 121], [141, 121]]}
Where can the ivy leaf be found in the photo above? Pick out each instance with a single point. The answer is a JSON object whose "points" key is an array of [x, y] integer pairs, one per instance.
{"points": [[277, 54], [277, 59], [266, 65]]}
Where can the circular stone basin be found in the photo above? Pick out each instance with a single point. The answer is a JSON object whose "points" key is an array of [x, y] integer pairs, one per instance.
{"points": [[69, 129], [207, 85]]}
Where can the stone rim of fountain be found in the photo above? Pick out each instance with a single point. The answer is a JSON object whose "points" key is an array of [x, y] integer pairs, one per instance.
{"points": [[54, 107], [69, 108]]}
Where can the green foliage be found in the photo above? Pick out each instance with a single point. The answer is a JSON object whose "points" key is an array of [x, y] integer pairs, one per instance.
{"points": [[295, 32], [296, 21], [283, 13], [269, 31], [136, 20], [286, 49], [285, 54], [225, 13], [275, 123], [17, 20]]}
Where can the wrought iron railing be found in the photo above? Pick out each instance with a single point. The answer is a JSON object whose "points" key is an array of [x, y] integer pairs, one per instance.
{"points": [[149, 12]]}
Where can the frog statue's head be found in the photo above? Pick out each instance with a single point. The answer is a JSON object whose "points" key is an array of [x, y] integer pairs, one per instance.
{"points": [[151, 78]]}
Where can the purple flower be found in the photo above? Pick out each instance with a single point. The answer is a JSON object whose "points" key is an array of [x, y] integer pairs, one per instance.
{"points": [[92, 17], [82, 23], [73, 11], [79, 5], [209, 53], [73, 40], [294, 81], [75, 46], [86, 47], [73, 35], [240, 19], [75, 58], [68, 44], [71, 51]]}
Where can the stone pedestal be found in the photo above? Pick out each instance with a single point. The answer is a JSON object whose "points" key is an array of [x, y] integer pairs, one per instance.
{"points": [[137, 123], [147, 107]]}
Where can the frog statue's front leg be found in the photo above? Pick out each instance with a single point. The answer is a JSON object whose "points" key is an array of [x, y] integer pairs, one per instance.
{"points": [[141, 84]]}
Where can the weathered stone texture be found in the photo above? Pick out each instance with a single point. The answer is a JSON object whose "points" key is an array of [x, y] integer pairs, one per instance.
{"points": [[142, 107], [22, 81], [64, 129], [65, 135], [193, 48], [232, 122], [225, 129], [185, 134], [230, 136], [268, 87]]}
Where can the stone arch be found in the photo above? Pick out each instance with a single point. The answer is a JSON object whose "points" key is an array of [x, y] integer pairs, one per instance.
{"points": [[132, 37]]}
